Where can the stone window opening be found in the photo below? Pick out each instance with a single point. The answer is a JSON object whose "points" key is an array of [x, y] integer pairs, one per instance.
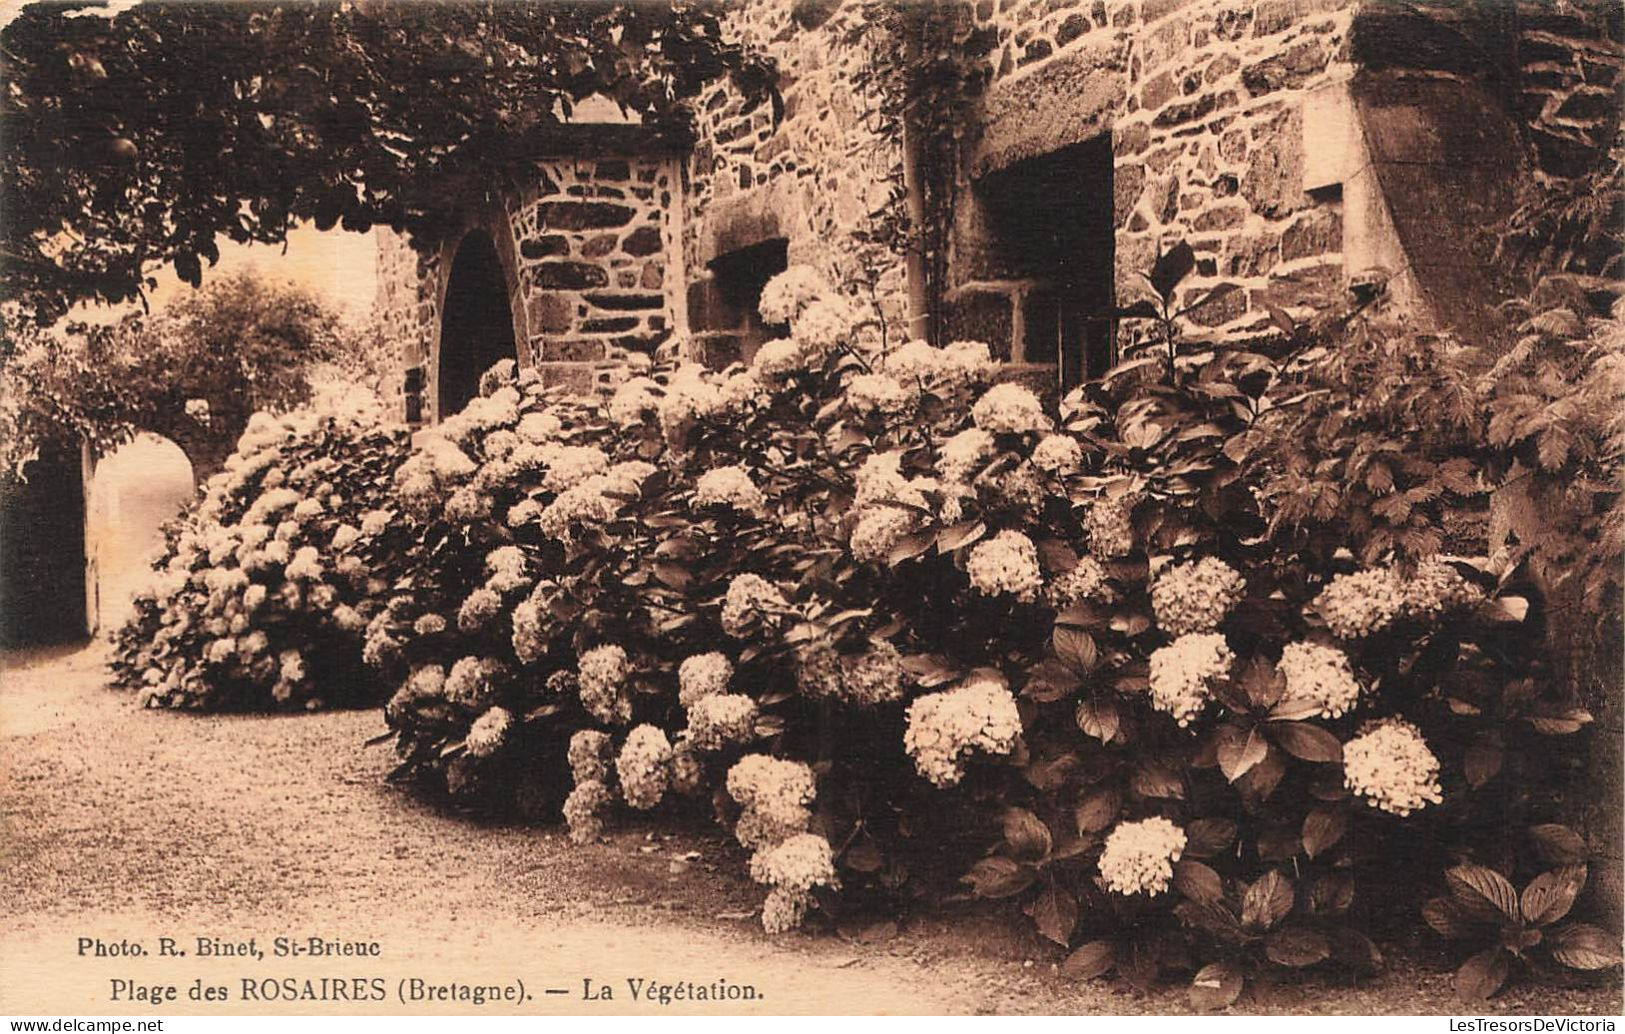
{"points": [[1047, 244], [723, 313]]}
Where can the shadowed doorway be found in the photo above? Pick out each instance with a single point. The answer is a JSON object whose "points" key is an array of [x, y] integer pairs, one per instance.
{"points": [[476, 325]]}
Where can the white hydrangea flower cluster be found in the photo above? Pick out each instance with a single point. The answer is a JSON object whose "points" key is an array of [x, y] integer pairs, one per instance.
{"points": [[507, 570], [693, 394], [588, 754], [731, 487], [1058, 455], [634, 400], [1139, 856], [823, 324], [721, 720], [751, 599], [792, 868], [877, 393], [1361, 604], [489, 732], [880, 480], [643, 767], [945, 728], [1390, 765], [1085, 581], [583, 810], [1195, 597], [1180, 672], [873, 677], [963, 454], [602, 672], [1321, 674], [1108, 523], [777, 360], [1006, 564], [878, 530], [774, 794], [703, 675], [570, 465], [1437, 588], [472, 681], [955, 369], [592, 502], [1010, 408], [785, 295], [478, 610]]}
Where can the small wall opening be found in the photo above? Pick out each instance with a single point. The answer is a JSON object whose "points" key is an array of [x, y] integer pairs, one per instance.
{"points": [[134, 491], [1049, 249], [723, 307], [476, 324]]}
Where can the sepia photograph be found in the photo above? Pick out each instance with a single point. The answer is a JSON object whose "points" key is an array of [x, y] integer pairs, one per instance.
{"points": [[660, 508]]}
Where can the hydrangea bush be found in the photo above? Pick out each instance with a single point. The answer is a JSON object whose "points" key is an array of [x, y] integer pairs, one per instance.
{"points": [[262, 593], [899, 627]]}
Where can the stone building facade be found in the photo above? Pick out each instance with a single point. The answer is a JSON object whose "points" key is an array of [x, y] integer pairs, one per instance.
{"points": [[1297, 145]]}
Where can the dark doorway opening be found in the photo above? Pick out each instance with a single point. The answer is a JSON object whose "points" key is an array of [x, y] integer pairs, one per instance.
{"points": [[1051, 219], [42, 551], [476, 324], [740, 276]]}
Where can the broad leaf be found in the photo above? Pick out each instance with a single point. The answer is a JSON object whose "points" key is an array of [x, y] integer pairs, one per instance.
{"points": [[1198, 882], [1029, 838], [999, 877], [1484, 894], [1583, 946], [1216, 986], [1482, 975], [1267, 901], [1323, 828], [1307, 742], [1558, 844], [1296, 947], [1098, 718], [1093, 959], [1238, 751], [1055, 913], [1550, 895], [1077, 648], [1098, 810]]}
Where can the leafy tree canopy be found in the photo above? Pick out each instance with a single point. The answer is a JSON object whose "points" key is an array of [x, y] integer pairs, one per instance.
{"points": [[193, 372], [135, 140]]}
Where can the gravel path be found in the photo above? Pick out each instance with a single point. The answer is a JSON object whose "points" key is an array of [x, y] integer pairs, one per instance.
{"points": [[129, 824]]}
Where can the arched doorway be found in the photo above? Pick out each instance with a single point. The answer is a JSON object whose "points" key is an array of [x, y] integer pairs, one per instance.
{"points": [[134, 491], [476, 324]]}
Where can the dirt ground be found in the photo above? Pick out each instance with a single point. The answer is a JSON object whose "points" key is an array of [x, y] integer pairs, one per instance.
{"points": [[123, 824]]}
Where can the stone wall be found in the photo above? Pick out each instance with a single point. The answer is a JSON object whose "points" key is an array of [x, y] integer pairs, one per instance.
{"points": [[587, 248], [1569, 63], [812, 181], [1203, 102]]}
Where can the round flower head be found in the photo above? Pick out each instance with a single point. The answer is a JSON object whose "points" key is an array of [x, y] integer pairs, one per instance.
{"points": [[1437, 588], [471, 682], [1321, 675], [1361, 604], [823, 324], [874, 676], [878, 530], [1109, 525], [1010, 409], [478, 610], [489, 732], [730, 487], [585, 504], [1139, 857], [721, 720], [588, 754], [785, 295], [306, 565], [961, 456], [1180, 672], [880, 480], [1195, 597], [777, 359], [642, 767], [538, 428], [583, 808], [1085, 581], [783, 911], [603, 672], [1058, 455], [507, 568], [703, 675], [943, 728], [633, 400], [1006, 564], [869, 393], [429, 624], [750, 599], [1390, 765], [569, 465], [798, 864], [774, 795]]}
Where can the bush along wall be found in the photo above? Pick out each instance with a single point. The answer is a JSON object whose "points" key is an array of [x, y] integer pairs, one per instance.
{"points": [[1208, 668], [262, 594]]}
